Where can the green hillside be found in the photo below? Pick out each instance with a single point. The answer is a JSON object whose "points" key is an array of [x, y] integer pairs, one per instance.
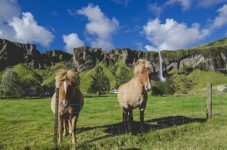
{"points": [[192, 83], [196, 82], [217, 43], [26, 73]]}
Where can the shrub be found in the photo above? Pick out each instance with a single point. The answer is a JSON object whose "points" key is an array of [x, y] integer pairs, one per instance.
{"points": [[163, 88], [12, 85]]}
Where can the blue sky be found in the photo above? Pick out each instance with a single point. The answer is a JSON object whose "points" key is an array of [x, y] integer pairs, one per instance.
{"points": [[136, 24]]}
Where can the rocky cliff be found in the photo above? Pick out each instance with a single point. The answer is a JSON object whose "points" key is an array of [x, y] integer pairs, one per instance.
{"points": [[212, 56], [206, 58], [12, 53]]}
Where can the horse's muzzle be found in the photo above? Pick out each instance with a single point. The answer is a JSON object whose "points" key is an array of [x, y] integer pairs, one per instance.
{"points": [[64, 103], [148, 87]]}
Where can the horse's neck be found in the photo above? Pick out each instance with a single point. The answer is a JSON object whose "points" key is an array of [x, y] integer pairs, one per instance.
{"points": [[136, 83]]}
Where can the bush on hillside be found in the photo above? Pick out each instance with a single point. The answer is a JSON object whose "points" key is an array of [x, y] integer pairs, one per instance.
{"points": [[162, 88], [32, 87], [12, 85]]}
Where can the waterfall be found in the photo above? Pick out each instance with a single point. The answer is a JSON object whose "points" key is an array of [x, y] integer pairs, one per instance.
{"points": [[162, 79]]}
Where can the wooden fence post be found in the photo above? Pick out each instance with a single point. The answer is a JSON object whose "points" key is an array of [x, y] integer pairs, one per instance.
{"points": [[56, 117], [209, 101]]}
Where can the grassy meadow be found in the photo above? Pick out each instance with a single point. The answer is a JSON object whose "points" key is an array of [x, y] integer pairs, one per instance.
{"points": [[176, 122]]}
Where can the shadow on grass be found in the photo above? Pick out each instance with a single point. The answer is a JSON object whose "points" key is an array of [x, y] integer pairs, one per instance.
{"points": [[149, 125]]}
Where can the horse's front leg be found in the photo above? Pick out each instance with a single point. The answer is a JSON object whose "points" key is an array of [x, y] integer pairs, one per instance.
{"points": [[142, 119], [65, 121], [70, 126], [60, 125], [125, 117], [130, 119], [73, 128]]}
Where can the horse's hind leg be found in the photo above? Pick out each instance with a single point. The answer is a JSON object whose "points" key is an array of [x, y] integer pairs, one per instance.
{"points": [[74, 121]]}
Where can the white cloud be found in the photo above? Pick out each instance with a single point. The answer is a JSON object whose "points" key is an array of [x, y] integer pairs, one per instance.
{"points": [[172, 35], [27, 30], [208, 3], [154, 8], [9, 9], [72, 12], [151, 48], [72, 41], [23, 28], [100, 28], [186, 4], [221, 19]]}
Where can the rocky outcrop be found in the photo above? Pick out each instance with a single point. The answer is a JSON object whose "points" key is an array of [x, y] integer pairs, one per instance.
{"points": [[12, 53], [53, 56], [210, 57], [85, 57]]}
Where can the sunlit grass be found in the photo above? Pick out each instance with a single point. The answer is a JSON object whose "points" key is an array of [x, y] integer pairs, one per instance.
{"points": [[29, 123]]}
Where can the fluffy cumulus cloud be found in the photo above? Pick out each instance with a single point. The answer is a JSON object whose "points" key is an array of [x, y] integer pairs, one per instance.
{"points": [[186, 4], [72, 41], [21, 27], [171, 35], [221, 19], [9, 9], [27, 30], [100, 28], [209, 3], [154, 8]]}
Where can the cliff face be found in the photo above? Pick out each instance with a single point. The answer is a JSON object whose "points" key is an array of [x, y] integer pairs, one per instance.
{"points": [[211, 58], [208, 57], [12, 53]]}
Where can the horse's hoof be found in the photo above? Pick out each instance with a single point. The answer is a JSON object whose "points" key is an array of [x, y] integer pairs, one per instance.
{"points": [[142, 130], [70, 132]]}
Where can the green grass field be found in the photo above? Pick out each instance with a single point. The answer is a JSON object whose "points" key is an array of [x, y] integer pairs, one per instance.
{"points": [[176, 122]]}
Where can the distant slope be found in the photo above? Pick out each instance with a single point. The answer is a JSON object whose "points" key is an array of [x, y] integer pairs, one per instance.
{"points": [[85, 76], [26, 73], [197, 80]]}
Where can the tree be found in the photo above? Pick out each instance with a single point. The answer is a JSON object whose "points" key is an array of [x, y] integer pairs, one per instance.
{"points": [[100, 82], [123, 76], [11, 84]]}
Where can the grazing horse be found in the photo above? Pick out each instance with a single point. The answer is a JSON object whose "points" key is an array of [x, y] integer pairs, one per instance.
{"points": [[70, 102], [133, 94]]}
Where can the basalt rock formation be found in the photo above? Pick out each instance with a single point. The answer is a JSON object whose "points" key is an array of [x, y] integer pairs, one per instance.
{"points": [[212, 57], [12, 53]]}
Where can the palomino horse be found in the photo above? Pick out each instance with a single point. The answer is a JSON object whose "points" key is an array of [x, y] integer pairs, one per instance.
{"points": [[70, 102], [133, 94]]}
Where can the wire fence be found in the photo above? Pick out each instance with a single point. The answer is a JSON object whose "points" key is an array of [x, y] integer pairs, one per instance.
{"points": [[160, 112]]}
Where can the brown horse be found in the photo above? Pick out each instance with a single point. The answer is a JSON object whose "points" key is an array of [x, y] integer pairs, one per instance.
{"points": [[133, 94], [70, 102]]}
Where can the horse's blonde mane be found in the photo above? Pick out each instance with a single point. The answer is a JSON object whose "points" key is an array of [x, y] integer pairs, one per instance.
{"points": [[63, 74], [142, 65]]}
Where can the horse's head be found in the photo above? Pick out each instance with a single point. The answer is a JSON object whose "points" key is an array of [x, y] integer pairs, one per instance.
{"points": [[143, 69], [66, 82]]}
